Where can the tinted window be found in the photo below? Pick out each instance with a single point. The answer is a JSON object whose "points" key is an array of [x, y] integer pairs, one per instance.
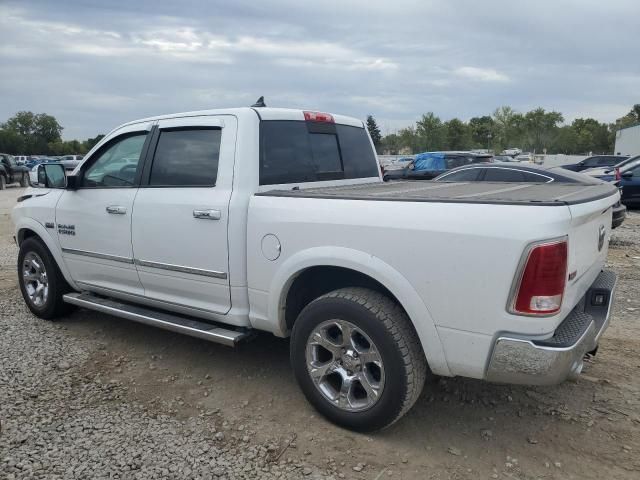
{"points": [[291, 153], [503, 175], [464, 175], [534, 177], [591, 162], [116, 164], [186, 158], [453, 162], [358, 157], [606, 161]]}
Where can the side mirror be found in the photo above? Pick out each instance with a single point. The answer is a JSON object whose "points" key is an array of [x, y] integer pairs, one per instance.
{"points": [[51, 175], [627, 174]]}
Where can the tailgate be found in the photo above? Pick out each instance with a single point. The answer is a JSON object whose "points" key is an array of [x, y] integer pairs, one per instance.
{"points": [[588, 244]]}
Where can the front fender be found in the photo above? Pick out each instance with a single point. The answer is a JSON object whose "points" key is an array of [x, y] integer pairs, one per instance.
{"points": [[373, 267], [26, 223]]}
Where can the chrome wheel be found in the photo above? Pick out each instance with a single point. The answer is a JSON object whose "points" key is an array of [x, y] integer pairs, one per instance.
{"points": [[345, 365], [34, 278]]}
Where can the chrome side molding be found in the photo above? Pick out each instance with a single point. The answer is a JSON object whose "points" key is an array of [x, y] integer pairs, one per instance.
{"points": [[102, 256], [180, 268]]}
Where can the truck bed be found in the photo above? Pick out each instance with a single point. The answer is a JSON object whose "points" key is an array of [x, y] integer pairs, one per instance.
{"points": [[534, 194]]}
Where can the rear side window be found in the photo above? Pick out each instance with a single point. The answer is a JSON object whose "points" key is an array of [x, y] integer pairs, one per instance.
{"points": [[464, 175], [504, 175], [458, 161], [297, 152], [606, 161], [186, 158]]}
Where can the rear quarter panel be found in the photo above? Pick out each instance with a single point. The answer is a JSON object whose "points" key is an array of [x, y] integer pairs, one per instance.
{"points": [[451, 265]]}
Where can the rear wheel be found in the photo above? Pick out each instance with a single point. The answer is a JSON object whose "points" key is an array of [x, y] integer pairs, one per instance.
{"points": [[357, 358], [41, 282]]}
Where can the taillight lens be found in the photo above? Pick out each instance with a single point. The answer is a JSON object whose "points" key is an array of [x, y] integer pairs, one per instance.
{"points": [[542, 280], [318, 117], [618, 176]]}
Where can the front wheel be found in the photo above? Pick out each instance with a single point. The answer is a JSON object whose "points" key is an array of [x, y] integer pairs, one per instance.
{"points": [[357, 358], [24, 180], [41, 282], [3, 182]]}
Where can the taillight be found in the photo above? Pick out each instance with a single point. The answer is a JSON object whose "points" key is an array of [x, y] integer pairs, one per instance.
{"points": [[318, 117], [618, 176], [541, 280]]}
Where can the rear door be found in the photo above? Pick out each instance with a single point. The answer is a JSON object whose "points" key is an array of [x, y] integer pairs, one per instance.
{"points": [[181, 212]]}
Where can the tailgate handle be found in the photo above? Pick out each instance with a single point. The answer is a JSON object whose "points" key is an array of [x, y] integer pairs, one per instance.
{"points": [[207, 214]]}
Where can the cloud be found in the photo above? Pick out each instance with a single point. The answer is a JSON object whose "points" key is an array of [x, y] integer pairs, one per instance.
{"points": [[481, 74], [96, 64]]}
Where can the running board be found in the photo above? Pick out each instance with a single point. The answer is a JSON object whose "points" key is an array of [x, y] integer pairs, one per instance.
{"points": [[155, 318]]}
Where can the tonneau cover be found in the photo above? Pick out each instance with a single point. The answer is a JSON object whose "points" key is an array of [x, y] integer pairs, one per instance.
{"points": [[535, 194]]}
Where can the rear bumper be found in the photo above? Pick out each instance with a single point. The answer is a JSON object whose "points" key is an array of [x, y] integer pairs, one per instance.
{"points": [[619, 214], [551, 361]]}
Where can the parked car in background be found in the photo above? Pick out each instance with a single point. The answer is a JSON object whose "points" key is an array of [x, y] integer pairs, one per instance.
{"points": [[70, 162], [596, 161], [524, 157], [518, 173], [627, 175], [11, 172], [21, 159], [428, 165], [33, 167], [607, 173], [512, 152], [503, 158]]}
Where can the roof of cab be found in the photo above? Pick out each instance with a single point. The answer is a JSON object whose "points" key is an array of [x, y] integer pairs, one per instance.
{"points": [[263, 113]]}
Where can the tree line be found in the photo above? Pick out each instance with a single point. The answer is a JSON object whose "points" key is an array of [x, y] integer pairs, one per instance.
{"points": [[28, 133], [536, 131]]}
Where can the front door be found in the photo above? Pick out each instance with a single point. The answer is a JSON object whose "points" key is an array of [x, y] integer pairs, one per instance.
{"points": [[94, 221], [180, 215]]}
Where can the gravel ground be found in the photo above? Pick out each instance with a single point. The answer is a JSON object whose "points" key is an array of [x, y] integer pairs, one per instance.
{"points": [[93, 396]]}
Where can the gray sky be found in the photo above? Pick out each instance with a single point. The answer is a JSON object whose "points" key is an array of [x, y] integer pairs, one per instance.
{"points": [[96, 64]]}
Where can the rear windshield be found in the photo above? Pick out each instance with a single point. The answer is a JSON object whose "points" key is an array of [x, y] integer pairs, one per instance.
{"points": [[297, 152]]}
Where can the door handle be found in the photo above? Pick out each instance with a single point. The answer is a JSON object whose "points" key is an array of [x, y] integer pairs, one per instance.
{"points": [[207, 214], [116, 210]]}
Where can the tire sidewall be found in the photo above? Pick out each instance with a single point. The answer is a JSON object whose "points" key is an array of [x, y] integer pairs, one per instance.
{"points": [[48, 309], [390, 403], [3, 182]]}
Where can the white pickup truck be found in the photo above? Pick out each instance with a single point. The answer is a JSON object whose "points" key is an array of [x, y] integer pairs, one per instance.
{"points": [[219, 223]]}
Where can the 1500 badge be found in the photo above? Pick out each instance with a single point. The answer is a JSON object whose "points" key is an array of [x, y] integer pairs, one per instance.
{"points": [[66, 229]]}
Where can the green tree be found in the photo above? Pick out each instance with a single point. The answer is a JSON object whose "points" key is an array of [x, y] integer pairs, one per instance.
{"points": [[374, 131], [431, 133], [408, 138], [391, 144], [540, 127], [507, 127], [481, 128], [457, 134], [35, 130]]}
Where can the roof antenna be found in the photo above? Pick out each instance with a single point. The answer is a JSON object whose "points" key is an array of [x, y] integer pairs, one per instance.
{"points": [[260, 103]]}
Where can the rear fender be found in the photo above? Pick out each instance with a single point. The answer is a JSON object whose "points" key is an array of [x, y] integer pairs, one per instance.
{"points": [[376, 269]]}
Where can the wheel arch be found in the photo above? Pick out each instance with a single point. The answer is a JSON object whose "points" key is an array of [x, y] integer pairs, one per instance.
{"points": [[338, 267], [31, 229]]}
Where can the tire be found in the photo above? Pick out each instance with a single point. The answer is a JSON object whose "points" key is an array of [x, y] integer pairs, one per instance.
{"points": [[48, 305], [24, 180], [372, 319], [3, 182]]}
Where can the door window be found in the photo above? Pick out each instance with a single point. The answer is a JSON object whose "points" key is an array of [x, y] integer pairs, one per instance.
{"points": [[503, 175], [591, 162], [186, 158], [117, 164]]}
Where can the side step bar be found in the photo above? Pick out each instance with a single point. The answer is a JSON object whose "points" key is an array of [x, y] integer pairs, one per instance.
{"points": [[156, 318]]}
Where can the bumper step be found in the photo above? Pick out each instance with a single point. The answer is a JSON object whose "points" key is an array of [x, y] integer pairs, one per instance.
{"points": [[157, 318]]}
